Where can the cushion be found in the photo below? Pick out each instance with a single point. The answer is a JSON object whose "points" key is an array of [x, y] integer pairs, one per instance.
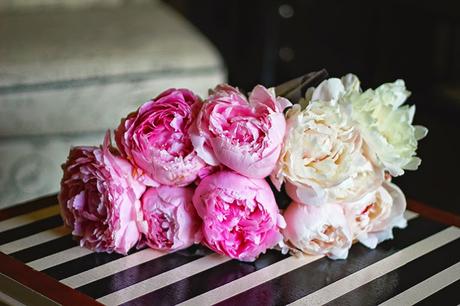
{"points": [[81, 70]]}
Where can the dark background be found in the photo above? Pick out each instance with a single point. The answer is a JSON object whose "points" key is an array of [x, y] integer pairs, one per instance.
{"points": [[269, 42]]}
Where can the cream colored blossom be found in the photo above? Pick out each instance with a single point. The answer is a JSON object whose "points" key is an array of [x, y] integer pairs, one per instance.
{"points": [[322, 159], [386, 125]]}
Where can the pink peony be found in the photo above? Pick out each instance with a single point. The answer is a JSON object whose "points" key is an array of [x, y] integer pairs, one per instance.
{"points": [[317, 230], [373, 217], [155, 139], [99, 199], [244, 136], [171, 222], [240, 215]]}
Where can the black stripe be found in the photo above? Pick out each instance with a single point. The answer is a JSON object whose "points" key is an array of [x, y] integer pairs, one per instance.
{"points": [[206, 280], [447, 296], [81, 264], [138, 273], [30, 229], [403, 278], [29, 206], [45, 249], [309, 278]]}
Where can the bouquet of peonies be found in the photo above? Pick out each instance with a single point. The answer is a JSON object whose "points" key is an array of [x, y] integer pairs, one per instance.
{"points": [[189, 171]]}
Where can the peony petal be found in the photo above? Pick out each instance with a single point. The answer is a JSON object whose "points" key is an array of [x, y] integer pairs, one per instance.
{"points": [[202, 148], [420, 132], [328, 90]]}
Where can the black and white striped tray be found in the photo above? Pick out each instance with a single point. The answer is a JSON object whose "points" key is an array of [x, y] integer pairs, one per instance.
{"points": [[421, 265]]}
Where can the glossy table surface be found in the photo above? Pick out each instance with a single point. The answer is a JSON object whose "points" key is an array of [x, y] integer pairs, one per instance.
{"points": [[41, 264]]}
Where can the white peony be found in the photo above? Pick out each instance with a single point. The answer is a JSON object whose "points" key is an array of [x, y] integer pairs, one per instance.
{"points": [[317, 230], [386, 125], [373, 217], [322, 159]]}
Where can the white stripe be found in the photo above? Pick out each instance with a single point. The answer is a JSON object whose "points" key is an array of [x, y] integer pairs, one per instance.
{"points": [[164, 279], [427, 287], [251, 280], [409, 215], [28, 218], [112, 267], [371, 272], [34, 240], [58, 258]]}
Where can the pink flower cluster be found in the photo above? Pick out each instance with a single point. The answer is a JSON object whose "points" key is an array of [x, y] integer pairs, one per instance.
{"points": [[186, 171]]}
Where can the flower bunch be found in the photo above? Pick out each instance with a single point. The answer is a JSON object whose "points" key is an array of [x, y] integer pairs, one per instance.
{"points": [[341, 148], [187, 170]]}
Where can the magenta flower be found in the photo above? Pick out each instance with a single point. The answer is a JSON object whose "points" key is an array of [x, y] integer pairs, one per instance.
{"points": [[155, 139], [240, 215]]}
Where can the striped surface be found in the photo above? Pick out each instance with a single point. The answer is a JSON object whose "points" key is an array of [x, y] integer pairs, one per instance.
{"points": [[421, 265]]}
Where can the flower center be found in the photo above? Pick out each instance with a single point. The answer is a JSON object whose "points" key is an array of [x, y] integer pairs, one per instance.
{"points": [[243, 224], [327, 238], [162, 231], [166, 133]]}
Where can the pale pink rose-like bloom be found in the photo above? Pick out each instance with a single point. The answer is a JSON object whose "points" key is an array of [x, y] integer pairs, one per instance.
{"points": [[243, 134], [317, 230], [171, 222], [99, 199], [240, 216], [373, 217], [155, 139]]}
